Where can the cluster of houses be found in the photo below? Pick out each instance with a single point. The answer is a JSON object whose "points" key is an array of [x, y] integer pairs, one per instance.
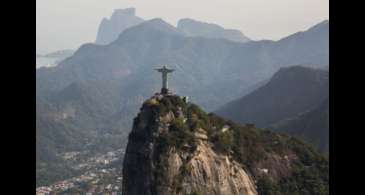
{"points": [[95, 168], [90, 178], [59, 186], [43, 190], [100, 160]]}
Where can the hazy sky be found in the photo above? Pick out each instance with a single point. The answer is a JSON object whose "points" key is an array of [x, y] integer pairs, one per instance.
{"points": [[66, 24]]}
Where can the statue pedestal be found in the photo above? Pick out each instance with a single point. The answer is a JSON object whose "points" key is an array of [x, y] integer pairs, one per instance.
{"points": [[164, 91]]}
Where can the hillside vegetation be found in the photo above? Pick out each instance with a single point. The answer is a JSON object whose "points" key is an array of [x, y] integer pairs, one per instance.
{"points": [[170, 126]]}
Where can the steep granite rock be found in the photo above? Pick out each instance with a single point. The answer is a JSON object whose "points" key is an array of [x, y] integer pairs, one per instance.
{"points": [[216, 174], [155, 168]]}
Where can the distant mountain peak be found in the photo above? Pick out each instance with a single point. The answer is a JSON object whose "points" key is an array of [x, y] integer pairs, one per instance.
{"points": [[300, 74], [302, 85], [184, 21], [298, 69], [156, 24], [126, 11], [191, 27], [319, 28], [120, 20], [159, 23], [321, 25]]}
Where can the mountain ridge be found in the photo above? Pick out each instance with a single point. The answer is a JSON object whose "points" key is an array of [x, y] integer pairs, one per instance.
{"points": [[281, 82], [311, 126], [291, 102]]}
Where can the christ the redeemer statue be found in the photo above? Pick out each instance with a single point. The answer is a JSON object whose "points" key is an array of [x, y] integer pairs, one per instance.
{"points": [[164, 71]]}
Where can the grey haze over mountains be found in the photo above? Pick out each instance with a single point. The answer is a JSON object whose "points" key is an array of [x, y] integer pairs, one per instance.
{"points": [[120, 20], [104, 85], [217, 64], [195, 28], [294, 101]]}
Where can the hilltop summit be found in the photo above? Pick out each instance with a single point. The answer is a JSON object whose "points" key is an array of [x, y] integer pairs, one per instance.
{"points": [[176, 148]]}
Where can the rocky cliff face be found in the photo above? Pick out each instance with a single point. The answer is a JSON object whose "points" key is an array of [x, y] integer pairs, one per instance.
{"points": [[176, 148], [155, 168]]}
